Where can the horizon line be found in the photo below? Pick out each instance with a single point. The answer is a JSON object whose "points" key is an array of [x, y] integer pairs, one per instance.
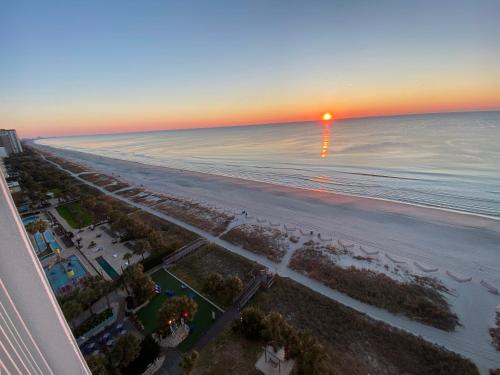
{"points": [[264, 123]]}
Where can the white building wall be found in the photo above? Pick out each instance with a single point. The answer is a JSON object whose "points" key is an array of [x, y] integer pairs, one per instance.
{"points": [[34, 336]]}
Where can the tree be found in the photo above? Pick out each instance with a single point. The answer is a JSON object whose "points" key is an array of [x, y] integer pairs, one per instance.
{"points": [[72, 310], [101, 287], [175, 308], [72, 191], [32, 228], [97, 364], [232, 287], [127, 256], [36, 226], [156, 240], [189, 361], [88, 202], [87, 297], [102, 210], [141, 284], [312, 355], [252, 323], [276, 329], [141, 247], [125, 350], [215, 282], [117, 220]]}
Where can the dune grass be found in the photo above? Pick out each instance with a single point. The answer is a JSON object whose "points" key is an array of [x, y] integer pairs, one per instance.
{"points": [[415, 300]]}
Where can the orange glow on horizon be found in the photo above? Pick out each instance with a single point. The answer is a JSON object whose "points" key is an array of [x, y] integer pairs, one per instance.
{"points": [[105, 118]]}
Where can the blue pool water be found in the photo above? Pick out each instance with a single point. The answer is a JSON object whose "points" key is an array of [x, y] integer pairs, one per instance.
{"points": [[51, 240], [108, 268], [57, 274], [40, 243], [29, 219]]}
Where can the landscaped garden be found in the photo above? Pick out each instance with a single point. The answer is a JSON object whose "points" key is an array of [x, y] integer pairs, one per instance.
{"points": [[75, 215], [168, 283]]}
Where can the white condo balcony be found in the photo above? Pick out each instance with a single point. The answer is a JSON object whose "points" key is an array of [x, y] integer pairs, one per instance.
{"points": [[34, 335]]}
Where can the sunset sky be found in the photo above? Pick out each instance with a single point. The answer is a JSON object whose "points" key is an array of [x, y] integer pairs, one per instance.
{"points": [[73, 67]]}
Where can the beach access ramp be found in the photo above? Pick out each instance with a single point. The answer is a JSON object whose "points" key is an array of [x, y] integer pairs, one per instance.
{"points": [[184, 251]]}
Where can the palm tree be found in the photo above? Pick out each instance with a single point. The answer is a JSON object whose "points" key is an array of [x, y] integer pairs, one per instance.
{"points": [[97, 364], [32, 228], [189, 361], [125, 350], [275, 328], [72, 310], [106, 287], [100, 286], [127, 256], [87, 297], [312, 355], [141, 246]]}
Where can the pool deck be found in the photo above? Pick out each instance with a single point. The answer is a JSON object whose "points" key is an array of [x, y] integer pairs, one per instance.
{"points": [[112, 253]]}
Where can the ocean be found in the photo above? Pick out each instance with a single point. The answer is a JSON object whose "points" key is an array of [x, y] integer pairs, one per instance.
{"points": [[449, 161]]}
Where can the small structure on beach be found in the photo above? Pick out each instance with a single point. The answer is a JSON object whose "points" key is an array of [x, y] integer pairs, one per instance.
{"points": [[274, 362]]}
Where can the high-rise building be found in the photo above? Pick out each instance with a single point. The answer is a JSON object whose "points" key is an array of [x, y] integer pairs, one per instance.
{"points": [[9, 140], [34, 336]]}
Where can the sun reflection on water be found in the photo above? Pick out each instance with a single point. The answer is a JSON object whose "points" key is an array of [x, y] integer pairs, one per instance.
{"points": [[326, 139]]}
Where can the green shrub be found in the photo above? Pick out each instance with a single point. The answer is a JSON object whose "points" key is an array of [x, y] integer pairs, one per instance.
{"points": [[92, 322]]}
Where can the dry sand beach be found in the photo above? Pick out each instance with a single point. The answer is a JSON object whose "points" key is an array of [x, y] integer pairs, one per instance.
{"points": [[461, 251]]}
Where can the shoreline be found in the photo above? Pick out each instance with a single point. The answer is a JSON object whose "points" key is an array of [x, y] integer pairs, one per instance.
{"points": [[462, 244], [276, 186]]}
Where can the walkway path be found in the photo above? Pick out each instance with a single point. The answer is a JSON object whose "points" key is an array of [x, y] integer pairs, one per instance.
{"points": [[184, 251], [484, 358]]}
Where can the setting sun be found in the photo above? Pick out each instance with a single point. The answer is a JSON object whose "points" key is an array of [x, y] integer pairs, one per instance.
{"points": [[327, 116]]}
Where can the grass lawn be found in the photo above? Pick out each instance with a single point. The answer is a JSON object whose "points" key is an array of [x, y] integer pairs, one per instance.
{"points": [[72, 211], [203, 317]]}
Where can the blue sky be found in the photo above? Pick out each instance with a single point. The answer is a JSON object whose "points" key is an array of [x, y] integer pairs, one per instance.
{"points": [[72, 64]]}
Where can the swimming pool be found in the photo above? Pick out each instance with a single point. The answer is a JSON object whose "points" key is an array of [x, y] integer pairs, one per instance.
{"points": [[58, 277], [29, 219], [40, 243], [49, 237], [108, 268]]}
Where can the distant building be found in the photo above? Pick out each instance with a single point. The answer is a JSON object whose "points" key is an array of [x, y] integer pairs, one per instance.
{"points": [[9, 141]]}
